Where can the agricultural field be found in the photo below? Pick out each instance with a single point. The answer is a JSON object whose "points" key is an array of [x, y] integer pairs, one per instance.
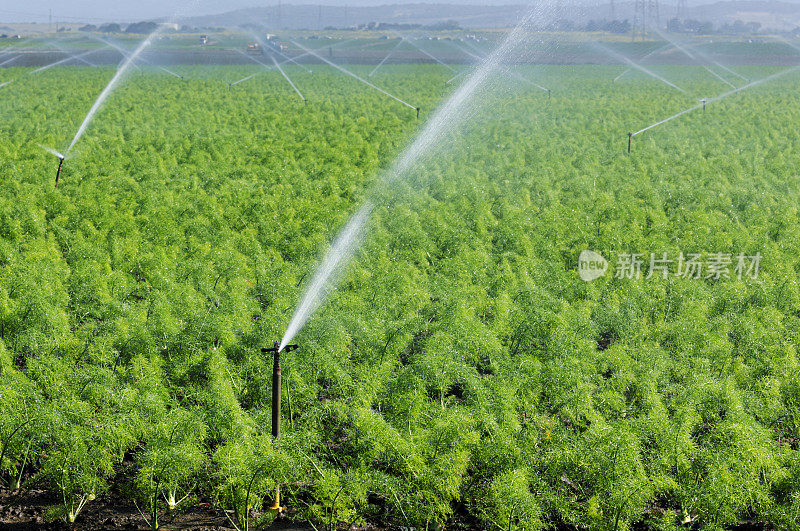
{"points": [[463, 375]]}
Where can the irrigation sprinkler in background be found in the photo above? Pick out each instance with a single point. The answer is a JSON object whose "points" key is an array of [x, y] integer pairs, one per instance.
{"points": [[712, 100], [60, 157], [276, 405]]}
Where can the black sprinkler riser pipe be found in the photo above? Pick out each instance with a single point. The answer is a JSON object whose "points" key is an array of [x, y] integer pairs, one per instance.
{"points": [[276, 394], [630, 136], [58, 172]]}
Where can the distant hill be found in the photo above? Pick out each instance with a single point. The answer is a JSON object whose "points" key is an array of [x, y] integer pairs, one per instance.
{"points": [[771, 14]]}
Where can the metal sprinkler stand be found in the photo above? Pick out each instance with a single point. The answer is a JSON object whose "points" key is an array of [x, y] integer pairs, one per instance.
{"points": [[630, 136], [704, 104], [276, 406], [58, 172], [417, 113]]}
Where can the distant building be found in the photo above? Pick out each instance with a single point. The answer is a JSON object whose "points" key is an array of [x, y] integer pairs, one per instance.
{"points": [[169, 26], [203, 39]]}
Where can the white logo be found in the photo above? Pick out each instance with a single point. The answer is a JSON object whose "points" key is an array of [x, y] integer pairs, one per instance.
{"points": [[591, 265]]}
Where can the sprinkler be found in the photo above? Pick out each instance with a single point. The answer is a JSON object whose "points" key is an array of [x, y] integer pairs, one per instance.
{"points": [[60, 157], [704, 104], [417, 113], [58, 171], [548, 94], [630, 136], [276, 405]]}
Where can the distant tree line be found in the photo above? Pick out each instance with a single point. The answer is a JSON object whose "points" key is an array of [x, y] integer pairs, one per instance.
{"points": [[136, 27], [611, 26], [673, 25]]}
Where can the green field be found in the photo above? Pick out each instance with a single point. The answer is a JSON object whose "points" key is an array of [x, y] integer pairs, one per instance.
{"points": [[463, 375]]}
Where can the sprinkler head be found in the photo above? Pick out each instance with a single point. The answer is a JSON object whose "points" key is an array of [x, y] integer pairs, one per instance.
{"points": [[276, 348], [418, 113]]}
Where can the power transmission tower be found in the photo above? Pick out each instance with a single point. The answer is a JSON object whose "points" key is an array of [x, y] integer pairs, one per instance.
{"points": [[646, 12], [681, 15], [613, 11]]}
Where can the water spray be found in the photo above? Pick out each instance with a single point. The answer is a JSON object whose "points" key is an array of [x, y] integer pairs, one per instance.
{"points": [[401, 41], [457, 108], [515, 74], [126, 54], [642, 58], [101, 99], [356, 76], [60, 157], [717, 98], [251, 76], [62, 61], [637, 66], [7, 61], [688, 54], [426, 53], [280, 69], [272, 49], [276, 405]]}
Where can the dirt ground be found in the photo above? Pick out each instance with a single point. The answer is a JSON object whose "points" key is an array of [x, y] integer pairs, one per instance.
{"points": [[26, 511]]}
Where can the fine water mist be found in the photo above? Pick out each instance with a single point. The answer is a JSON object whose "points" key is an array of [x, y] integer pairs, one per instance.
{"points": [[457, 109], [98, 104], [637, 66]]}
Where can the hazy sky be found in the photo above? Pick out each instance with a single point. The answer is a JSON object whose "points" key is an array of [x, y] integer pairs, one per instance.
{"points": [[105, 10]]}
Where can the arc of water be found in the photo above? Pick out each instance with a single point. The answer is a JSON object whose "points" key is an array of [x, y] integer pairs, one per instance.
{"points": [[251, 76], [111, 86], [688, 54], [287, 78], [355, 76], [274, 50], [387, 57], [708, 58], [721, 96], [61, 62], [10, 60], [517, 75], [646, 56], [412, 43], [127, 54], [77, 57], [621, 57], [456, 109]]}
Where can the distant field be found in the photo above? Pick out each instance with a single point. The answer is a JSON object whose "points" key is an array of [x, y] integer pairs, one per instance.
{"points": [[418, 47]]}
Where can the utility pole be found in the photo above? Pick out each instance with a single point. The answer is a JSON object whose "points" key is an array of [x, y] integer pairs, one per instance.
{"points": [[613, 12], [319, 18], [681, 15], [50, 22]]}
